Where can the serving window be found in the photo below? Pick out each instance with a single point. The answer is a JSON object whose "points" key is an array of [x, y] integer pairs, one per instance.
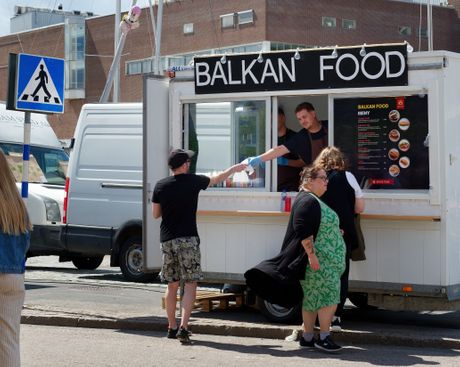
{"points": [[385, 140], [225, 133]]}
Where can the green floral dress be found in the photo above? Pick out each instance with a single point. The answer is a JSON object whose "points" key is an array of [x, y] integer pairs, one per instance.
{"points": [[322, 288]]}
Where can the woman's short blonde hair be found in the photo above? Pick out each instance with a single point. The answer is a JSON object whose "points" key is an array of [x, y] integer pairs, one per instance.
{"points": [[331, 158]]}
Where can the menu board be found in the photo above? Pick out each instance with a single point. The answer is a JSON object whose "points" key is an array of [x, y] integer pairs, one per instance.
{"points": [[385, 140]]}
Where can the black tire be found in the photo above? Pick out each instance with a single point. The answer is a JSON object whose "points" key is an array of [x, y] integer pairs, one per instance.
{"points": [[233, 288], [87, 262], [132, 260], [360, 300], [279, 314]]}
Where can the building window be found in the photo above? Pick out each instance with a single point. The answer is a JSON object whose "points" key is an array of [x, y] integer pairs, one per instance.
{"points": [[404, 30], [246, 17], [227, 21], [176, 61], [75, 54], [76, 77], [134, 67], [348, 24], [329, 22], [225, 133], [188, 28], [422, 32], [143, 66], [147, 66], [277, 46]]}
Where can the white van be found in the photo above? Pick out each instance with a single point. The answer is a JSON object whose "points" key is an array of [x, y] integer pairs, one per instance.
{"points": [[47, 171], [104, 189]]}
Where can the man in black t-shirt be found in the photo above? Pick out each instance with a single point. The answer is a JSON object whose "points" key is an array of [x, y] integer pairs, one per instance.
{"points": [[289, 165], [175, 200], [306, 143]]}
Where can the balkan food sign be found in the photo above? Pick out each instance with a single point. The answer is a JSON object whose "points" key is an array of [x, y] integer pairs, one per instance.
{"points": [[355, 67], [385, 139]]}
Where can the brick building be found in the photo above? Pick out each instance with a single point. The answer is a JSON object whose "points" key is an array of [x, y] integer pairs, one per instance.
{"points": [[193, 27]]}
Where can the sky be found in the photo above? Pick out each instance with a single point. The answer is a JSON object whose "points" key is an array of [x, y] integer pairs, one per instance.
{"points": [[98, 7]]}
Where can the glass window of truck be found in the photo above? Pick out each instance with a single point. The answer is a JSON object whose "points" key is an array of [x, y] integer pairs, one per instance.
{"points": [[46, 165]]}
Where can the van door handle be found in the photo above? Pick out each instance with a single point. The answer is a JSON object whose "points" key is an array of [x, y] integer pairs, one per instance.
{"points": [[114, 185], [149, 193]]}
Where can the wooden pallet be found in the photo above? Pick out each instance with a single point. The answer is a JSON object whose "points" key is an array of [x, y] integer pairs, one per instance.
{"points": [[207, 301]]}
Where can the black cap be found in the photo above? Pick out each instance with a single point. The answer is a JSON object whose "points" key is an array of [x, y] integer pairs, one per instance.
{"points": [[178, 157]]}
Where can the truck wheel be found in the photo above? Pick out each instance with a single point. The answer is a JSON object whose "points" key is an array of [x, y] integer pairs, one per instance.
{"points": [[233, 288], [280, 314], [360, 300], [87, 262], [132, 260]]}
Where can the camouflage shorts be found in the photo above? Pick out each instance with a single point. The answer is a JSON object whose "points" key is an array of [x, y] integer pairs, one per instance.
{"points": [[181, 260]]}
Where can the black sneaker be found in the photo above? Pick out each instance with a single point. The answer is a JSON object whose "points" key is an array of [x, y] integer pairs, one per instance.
{"points": [[172, 333], [336, 324], [184, 336], [327, 345], [305, 344]]}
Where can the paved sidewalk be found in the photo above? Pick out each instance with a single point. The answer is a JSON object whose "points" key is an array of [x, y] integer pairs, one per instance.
{"points": [[232, 322], [57, 294]]}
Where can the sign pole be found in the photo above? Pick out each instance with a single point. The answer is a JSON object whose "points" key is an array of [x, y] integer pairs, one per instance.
{"points": [[25, 157]]}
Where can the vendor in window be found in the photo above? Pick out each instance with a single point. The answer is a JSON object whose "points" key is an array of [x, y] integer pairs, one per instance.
{"points": [[307, 143], [290, 164]]}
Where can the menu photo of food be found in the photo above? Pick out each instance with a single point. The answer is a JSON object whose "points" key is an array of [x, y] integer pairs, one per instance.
{"points": [[394, 115], [394, 135], [404, 145], [393, 154], [403, 124], [404, 162], [394, 170]]}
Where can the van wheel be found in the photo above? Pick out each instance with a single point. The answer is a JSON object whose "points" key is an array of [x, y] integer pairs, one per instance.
{"points": [[87, 262], [132, 261], [280, 314]]}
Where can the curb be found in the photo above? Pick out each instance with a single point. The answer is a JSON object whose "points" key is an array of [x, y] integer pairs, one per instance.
{"points": [[382, 337]]}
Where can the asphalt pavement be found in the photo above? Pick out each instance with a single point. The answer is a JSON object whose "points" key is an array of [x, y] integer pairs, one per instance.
{"points": [[96, 302], [67, 346]]}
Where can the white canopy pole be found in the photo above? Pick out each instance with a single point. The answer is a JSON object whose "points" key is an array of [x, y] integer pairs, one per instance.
{"points": [[429, 24], [116, 77], [158, 37], [152, 17]]}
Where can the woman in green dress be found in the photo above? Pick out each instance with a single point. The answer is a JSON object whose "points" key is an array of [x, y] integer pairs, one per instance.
{"points": [[325, 248]]}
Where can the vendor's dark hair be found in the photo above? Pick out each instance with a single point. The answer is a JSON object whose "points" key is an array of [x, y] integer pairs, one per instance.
{"points": [[304, 106]]}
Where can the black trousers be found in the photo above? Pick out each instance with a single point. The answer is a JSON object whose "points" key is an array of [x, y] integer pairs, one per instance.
{"points": [[344, 285]]}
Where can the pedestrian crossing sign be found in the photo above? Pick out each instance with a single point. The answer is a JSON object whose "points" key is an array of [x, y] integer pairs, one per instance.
{"points": [[40, 84]]}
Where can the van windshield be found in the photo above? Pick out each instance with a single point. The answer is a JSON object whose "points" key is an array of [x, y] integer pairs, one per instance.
{"points": [[46, 165]]}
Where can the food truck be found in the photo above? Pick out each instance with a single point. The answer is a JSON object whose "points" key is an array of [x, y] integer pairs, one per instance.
{"points": [[394, 113]]}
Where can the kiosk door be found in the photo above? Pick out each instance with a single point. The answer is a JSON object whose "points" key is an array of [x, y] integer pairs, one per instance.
{"points": [[156, 149]]}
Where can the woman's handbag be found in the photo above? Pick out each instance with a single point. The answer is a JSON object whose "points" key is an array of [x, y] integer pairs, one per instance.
{"points": [[358, 254]]}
